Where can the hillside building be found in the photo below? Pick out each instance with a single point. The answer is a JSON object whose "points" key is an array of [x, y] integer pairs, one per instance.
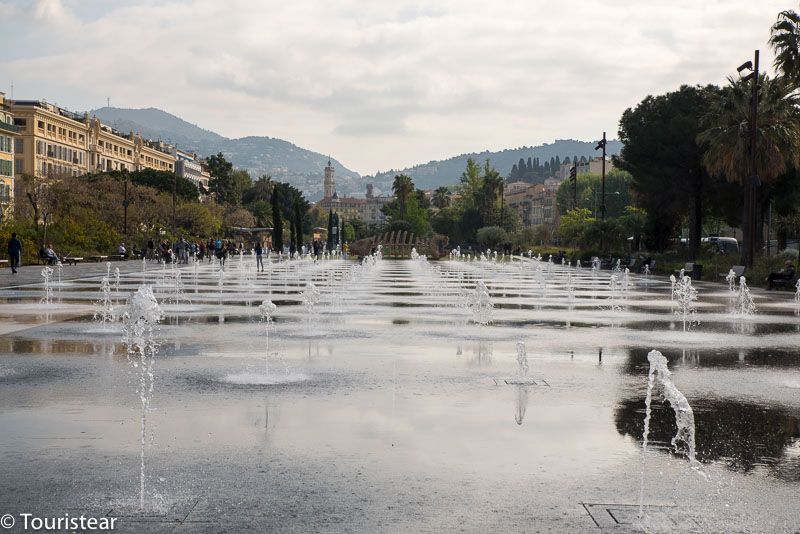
{"points": [[367, 209], [535, 203]]}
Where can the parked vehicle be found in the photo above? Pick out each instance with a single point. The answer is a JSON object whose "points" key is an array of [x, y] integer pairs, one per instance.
{"points": [[721, 245]]}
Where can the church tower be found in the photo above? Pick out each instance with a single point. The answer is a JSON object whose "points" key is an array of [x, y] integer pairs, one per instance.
{"points": [[329, 185]]}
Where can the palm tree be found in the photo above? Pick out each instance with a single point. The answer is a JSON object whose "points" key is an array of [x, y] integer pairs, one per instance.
{"points": [[403, 188], [441, 197], [785, 41], [727, 124]]}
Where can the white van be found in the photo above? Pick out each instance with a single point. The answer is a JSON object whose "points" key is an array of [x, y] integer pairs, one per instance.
{"points": [[723, 245]]}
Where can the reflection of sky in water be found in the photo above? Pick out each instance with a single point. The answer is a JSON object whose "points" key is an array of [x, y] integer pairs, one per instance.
{"points": [[397, 374]]}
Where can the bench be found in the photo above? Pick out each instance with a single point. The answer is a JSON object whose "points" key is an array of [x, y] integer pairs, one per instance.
{"points": [[738, 272], [3, 262], [785, 283], [98, 259], [116, 257], [71, 260]]}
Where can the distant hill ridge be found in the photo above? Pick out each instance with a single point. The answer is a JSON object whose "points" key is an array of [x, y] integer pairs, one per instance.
{"points": [[304, 169], [447, 172]]}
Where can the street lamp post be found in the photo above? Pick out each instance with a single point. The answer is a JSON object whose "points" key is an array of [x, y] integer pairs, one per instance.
{"points": [[602, 145], [753, 183], [125, 204], [174, 198]]}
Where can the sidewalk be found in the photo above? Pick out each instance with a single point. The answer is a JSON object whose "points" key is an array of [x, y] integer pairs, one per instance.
{"points": [[32, 274]]}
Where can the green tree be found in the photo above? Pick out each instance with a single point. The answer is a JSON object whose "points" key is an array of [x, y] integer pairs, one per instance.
{"points": [[493, 237], [785, 41], [573, 227], [403, 188], [277, 221], [330, 230], [227, 184], [777, 140], [441, 197], [661, 153], [348, 232]]}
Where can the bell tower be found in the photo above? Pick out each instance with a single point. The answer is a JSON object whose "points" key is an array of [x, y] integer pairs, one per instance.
{"points": [[329, 185]]}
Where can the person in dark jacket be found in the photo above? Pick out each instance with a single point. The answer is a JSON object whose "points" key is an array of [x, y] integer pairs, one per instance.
{"points": [[14, 252], [787, 274]]}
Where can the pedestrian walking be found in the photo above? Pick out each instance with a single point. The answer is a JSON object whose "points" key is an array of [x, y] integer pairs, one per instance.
{"points": [[14, 252]]}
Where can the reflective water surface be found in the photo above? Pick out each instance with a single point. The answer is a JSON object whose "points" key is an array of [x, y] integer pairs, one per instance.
{"points": [[385, 405]]}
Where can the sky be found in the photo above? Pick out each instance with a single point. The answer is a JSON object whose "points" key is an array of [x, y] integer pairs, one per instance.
{"points": [[379, 84]]}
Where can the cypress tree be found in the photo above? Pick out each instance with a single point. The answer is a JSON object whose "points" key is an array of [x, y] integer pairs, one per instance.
{"points": [[514, 172], [292, 237], [298, 225], [330, 230], [530, 164], [277, 223]]}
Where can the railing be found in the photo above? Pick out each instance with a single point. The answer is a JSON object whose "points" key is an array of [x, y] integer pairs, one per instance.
{"points": [[8, 127]]}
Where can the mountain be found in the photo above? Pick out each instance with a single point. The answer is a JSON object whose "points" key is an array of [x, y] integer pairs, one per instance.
{"points": [[281, 159], [447, 172]]}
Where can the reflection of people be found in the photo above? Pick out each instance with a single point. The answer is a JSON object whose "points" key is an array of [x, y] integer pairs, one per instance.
{"points": [[787, 273]]}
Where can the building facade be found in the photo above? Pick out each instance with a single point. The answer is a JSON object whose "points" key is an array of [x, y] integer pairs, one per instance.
{"points": [[368, 209], [535, 203], [594, 166], [8, 134], [52, 141], [189, 167]]}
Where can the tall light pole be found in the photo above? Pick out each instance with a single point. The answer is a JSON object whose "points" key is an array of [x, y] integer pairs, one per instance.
{"points": [[174, 198], [750, 220], [602, 145], [125, 204]]}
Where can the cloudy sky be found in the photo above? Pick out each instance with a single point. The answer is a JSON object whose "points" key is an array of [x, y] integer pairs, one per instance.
{"points": [[380, 84]]}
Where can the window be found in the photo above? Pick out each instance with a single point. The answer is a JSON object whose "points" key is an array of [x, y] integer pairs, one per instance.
{"points": [[6, 168], [19, 146], [20, 122], [19, 164], [40, 125]]}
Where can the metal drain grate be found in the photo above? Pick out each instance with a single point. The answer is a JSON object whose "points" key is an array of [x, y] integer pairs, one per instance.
{"points": [[177, 513], [612, 516], [517, 381]]}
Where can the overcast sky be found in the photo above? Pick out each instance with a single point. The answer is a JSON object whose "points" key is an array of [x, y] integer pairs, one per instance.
{"points": [[379, 84]]}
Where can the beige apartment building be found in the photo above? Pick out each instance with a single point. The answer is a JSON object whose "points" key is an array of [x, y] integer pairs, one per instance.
{"points": [[535, 203], [7, 137], [52, 141]]}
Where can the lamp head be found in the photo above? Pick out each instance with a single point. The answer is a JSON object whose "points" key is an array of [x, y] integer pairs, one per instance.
{"points": [[746, 65]]}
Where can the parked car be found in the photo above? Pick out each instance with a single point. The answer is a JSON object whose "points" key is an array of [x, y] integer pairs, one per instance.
{"points": [[722, 245]]}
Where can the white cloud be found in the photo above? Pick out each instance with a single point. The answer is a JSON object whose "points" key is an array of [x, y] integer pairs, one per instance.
{"points": [[382, 83]]}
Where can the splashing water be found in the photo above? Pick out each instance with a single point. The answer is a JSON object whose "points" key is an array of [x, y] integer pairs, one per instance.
{"points": [[744, 306], [797, 293], [140, 323], [310, 297], [684, 415], [104, 308], [47, 273], [686, 296], [116, 279], [672, 283], [731, 279], [480, 304], [267, 309]]}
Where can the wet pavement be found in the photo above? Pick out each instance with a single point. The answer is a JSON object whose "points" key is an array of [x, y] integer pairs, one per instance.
{"points": [[386, 408]]}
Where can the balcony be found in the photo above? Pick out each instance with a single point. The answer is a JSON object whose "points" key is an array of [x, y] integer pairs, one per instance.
{"points": [[8, 127]]}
